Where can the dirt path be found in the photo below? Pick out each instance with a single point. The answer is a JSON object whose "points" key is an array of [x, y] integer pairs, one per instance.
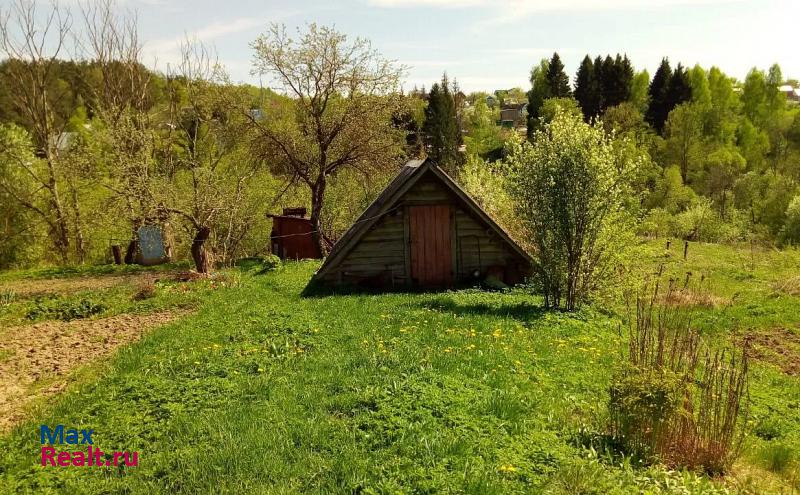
{"points": [[47, 352]]}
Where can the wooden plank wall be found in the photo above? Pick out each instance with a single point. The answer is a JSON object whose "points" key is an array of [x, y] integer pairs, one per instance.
{"points": [[382, 256], [380, 253]]}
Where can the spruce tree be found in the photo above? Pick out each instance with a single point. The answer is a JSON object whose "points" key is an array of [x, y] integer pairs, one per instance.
{"points": [[679, 89], [441, 132], [587, 89], [657, 111], [557, 79]]}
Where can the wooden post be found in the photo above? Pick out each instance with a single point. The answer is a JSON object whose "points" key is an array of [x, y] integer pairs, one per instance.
{"points": [[116, 251], [668, 243], [685, 249]]}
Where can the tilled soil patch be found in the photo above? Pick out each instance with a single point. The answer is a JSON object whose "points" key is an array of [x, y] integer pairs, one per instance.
{"points": [[47, 352], [778, 346]]}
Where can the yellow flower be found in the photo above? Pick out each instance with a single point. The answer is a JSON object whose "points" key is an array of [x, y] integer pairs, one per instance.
{"points": [[507, 468], [197, 362], [260, 370], [497, 333]]}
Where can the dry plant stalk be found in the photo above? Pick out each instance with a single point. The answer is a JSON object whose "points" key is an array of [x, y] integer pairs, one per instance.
{"points": [[702, 432]]}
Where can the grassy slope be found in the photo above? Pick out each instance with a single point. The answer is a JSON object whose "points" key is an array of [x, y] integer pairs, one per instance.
{"points": [[265, 391]]}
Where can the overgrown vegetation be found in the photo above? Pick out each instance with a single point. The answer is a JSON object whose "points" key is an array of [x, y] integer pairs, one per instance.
{"points": [[65, 309], [676, 399], [462, 391]]}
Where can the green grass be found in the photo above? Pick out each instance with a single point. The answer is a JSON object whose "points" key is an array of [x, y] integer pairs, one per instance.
{"points": [[265, 391]]}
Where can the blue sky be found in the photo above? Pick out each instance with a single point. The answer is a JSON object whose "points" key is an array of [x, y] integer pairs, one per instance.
{"points": [[492, 44]]}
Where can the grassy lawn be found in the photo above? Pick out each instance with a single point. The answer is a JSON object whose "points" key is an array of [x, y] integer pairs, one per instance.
{"points": [[264, 391]]}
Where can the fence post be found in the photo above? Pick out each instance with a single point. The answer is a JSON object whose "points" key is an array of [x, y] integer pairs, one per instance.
{"points": [[685, 249]]}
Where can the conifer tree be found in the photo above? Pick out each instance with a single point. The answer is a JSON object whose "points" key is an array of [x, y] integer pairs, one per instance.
{"points": [[441, 132], [557, 79], [679, 89], [657, 111], [587, 89]]}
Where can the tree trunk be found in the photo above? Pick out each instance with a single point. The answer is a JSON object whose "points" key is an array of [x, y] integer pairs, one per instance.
{"points": [[317, 199], [199, 253]]}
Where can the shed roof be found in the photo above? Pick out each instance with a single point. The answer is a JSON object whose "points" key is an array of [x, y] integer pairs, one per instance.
{"points": [[411, 172]]}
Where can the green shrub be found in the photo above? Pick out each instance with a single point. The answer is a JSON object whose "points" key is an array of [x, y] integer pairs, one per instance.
{"points": [[642, 403], [768, 429], [63, 309]]}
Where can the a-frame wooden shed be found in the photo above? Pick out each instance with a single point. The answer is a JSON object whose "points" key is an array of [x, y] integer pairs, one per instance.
{"points": [[423, 231]]}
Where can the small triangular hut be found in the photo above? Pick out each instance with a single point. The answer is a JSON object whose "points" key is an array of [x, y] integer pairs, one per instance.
{"points": [[423, 231]]}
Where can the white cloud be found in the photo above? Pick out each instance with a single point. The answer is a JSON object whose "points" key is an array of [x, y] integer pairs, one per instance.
{"points": [[427, 3], [206, 33]]}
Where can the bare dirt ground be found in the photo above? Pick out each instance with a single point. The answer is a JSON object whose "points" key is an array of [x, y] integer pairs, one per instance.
{"points": [[778, 346], [35, 360]]}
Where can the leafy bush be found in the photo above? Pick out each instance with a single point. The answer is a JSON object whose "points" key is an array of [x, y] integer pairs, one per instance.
{"points": [[64, 309], [569, 188], [673, 399], [642, 403], [790, 234]]}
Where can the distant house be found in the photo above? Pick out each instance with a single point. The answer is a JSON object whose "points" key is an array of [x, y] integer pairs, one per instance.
{"points": [[791, 93], [423, 231], [513, 115]]}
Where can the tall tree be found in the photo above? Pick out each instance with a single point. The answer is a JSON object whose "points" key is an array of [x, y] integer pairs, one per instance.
{"points": [[441, 129], [658, 110], [34, 41], [568, 186], [616, 79], [557, 79], [540, 91], [587, 89], [679, 89], [639, 95], [344, 95]]}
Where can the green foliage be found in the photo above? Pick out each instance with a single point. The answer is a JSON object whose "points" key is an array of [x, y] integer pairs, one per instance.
{"points": [[539, 92], [790, 234], [658, 110], [568, 186], [68, 309], [642, 403], [485, 138], [777, 457], [441, 130], [557, 79]]}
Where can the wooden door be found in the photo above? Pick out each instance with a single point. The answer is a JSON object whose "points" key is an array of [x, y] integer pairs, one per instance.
{"points": [[431, 249]]}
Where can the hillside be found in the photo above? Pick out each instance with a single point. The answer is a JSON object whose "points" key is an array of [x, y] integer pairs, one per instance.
{"points": [[263, 390]]}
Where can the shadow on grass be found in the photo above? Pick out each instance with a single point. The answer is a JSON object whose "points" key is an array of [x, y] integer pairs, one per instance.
{"points": [[522, 311], [314, 289]]}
